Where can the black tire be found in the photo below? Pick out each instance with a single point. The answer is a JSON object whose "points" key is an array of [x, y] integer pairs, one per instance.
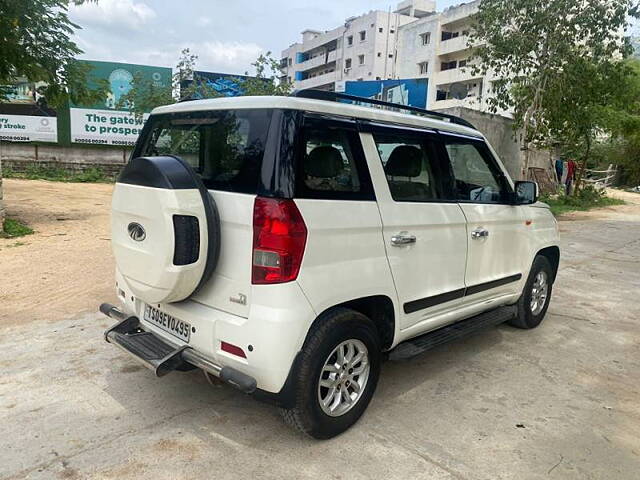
{"points": [[526, 319], [337, 326]]}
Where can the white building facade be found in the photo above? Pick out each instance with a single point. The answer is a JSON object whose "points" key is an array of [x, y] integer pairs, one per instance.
{"points": [[415, 41], [437, 48], [364, 48]]}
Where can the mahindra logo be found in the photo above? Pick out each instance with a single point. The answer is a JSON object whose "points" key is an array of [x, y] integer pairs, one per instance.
{"points": [[136, 232]]}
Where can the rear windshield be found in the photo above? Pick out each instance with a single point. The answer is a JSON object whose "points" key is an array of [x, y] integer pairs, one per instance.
{"points": [[225, 147]]}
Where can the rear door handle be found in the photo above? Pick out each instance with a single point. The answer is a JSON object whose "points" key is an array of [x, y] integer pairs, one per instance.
{"points": [[402, 239], [479, 233]]}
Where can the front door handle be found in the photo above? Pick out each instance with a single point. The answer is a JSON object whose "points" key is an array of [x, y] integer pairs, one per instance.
{"points": [[479, 233], [402, 239]]}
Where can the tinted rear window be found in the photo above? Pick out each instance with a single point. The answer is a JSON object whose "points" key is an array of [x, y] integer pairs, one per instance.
{"points": [[225, 147]]}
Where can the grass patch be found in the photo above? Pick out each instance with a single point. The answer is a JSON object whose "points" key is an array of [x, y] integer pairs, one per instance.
{"points": [[56, 174], [13, 228], [587, 199]]}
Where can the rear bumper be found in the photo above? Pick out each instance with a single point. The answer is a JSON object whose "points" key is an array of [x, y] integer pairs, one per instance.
{"points": [[160, 356]]}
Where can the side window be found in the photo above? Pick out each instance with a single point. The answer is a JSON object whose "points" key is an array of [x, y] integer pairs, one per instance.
{"points": [[477, 178], [332, 166], [410, 167], [225, 147]]}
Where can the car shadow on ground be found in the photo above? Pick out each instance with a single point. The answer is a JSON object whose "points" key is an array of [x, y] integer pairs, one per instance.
{"points": [[215, 413]]}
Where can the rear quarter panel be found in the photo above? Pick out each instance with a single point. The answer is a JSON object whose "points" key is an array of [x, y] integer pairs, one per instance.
{"points": [[345, 256]]}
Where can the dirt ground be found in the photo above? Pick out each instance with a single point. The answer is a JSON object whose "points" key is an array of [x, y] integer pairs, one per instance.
{"points": [[557, 402], [65, 268]]}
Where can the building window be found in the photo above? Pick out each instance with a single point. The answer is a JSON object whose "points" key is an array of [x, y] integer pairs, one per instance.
{"points": [[392, 31], [288, 79], [449, 65], [290, 61], [425, 38], [380, 30], [462, 63], [360, 59], [449, 35], [424, 67], [379, 54], [350, 40], [363, 35], [391, 55], [378, 78], [347, 63]]}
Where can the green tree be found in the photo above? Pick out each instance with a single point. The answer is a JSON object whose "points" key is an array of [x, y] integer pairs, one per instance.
{"points": [[266, 80], [622, 145], [144, 96], [35, 42], [555, 63]]}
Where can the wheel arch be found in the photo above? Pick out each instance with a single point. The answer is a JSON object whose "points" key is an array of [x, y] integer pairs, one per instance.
{"points": [[378, 308], [553, 255]]}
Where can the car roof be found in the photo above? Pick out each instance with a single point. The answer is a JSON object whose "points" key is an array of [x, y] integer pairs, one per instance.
{"points": [[317, 106]]}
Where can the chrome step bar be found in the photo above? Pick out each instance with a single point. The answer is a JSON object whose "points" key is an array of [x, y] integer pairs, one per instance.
{"points": [[161, 357]]}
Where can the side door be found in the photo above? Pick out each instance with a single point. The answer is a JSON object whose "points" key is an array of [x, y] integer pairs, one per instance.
{"points": [[424, 235], [496, 229]]}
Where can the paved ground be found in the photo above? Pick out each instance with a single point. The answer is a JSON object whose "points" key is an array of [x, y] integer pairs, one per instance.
{"points": [[558, 402]]}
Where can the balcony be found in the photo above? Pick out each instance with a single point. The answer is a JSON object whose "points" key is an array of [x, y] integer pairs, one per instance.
{"points": [[456, 75], [324, 39], [447, 47], [316, 62], [454, 16], [318, 81]]}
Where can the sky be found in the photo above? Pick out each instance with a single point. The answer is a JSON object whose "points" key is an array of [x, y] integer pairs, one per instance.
{"points": [[227, 36]]}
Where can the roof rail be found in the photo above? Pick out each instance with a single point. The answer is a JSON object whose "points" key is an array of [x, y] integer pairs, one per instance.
{"points": [[336, 97]]}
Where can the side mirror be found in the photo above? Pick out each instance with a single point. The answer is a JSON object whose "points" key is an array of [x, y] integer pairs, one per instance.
{"points": [[526, 193]]}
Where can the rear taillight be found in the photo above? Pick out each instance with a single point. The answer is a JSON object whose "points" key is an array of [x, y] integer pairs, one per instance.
{"points": [[279, 237]]}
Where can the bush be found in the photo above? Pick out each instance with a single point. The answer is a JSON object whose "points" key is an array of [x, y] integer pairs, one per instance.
{"points": [[57, 174], [586, 199], [14, 228]]}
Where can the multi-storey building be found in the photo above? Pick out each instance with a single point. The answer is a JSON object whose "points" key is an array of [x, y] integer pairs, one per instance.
{"points": [[437, 47], [364, 48], [415, 41]]}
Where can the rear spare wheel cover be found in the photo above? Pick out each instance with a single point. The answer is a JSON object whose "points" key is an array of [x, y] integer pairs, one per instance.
{"points": [[165, 229]]}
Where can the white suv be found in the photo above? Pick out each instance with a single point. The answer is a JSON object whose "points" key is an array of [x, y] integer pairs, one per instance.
{"points": [[286, 245]]}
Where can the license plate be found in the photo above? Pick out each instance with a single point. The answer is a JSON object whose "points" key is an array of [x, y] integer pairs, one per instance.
{"points": [[168, 323]]}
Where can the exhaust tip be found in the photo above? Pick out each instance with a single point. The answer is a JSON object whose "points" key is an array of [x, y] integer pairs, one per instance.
{"points": [[106, 308]]}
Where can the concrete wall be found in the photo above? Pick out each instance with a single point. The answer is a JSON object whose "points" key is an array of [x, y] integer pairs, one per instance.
{"points": [[1, 199], [19, 156], [500, 134]]}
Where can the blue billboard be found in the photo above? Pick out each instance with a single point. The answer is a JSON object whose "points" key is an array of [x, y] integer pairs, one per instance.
{"points": [[225, 84], [408, 91]]}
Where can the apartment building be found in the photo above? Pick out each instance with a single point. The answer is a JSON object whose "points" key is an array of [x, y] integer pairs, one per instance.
{"points": [[414, 41], [364, 48], [437, 47]]}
